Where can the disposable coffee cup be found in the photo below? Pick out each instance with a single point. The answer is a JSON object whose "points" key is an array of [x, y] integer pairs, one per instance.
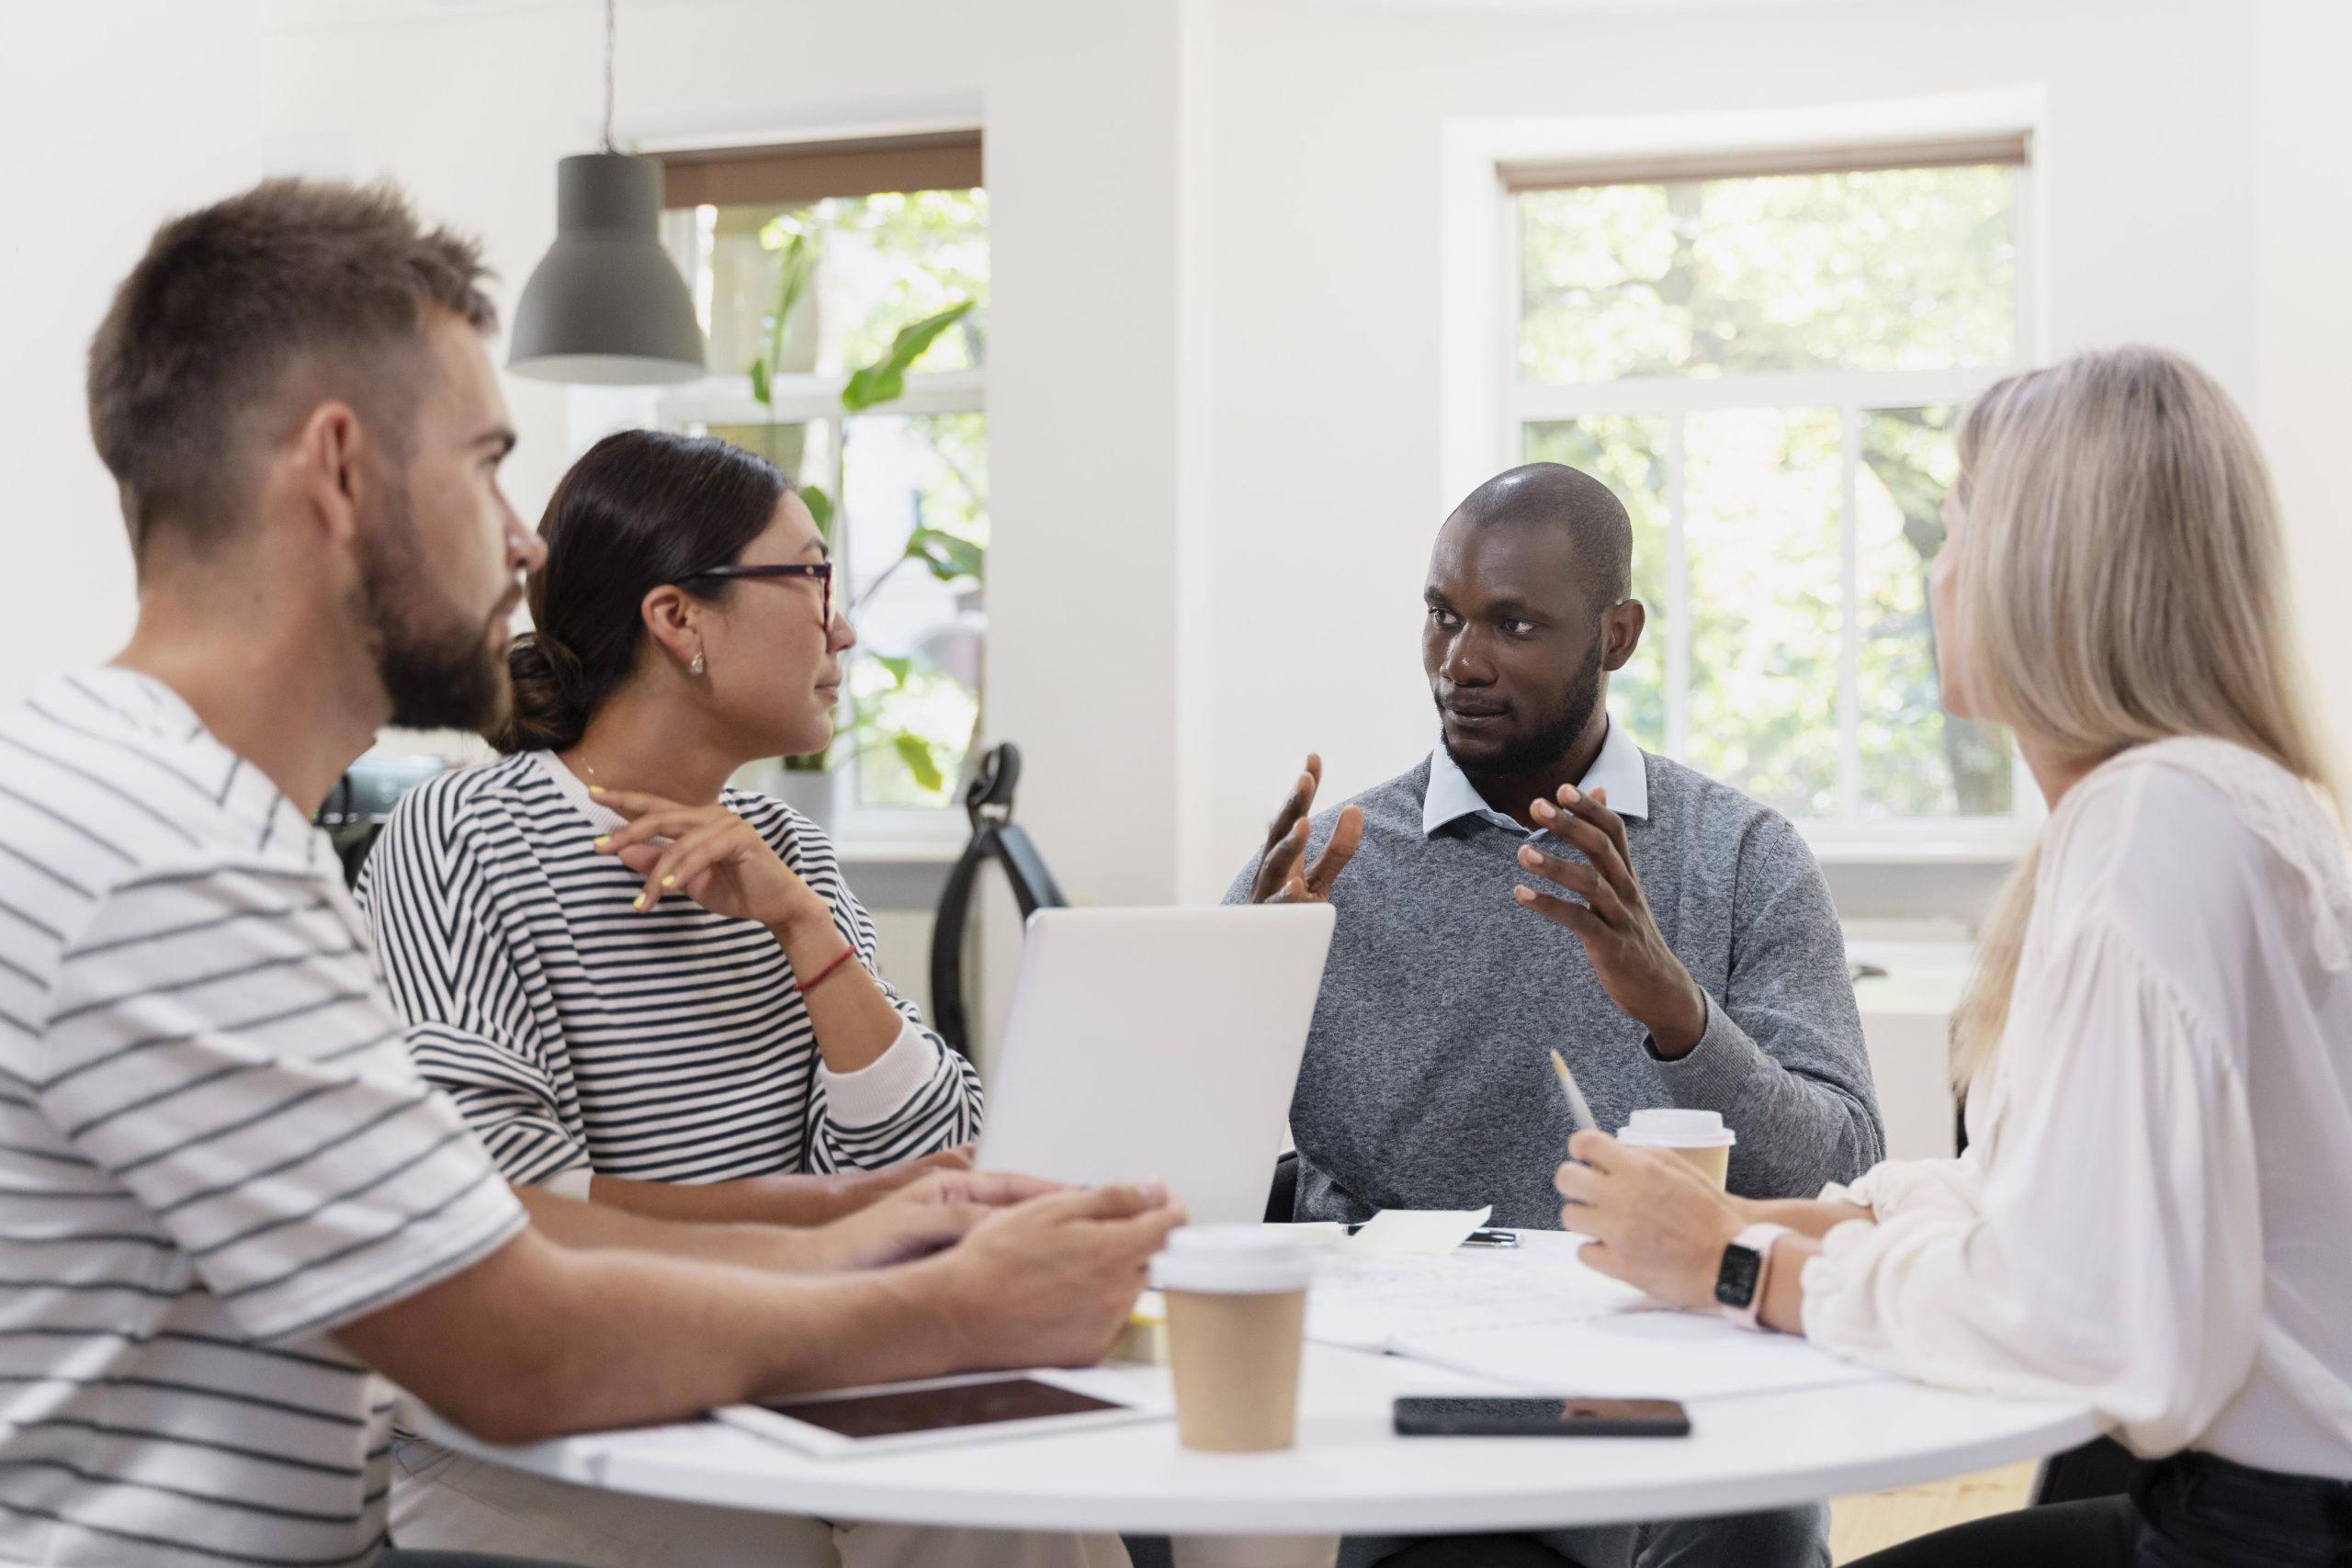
{"points": [[1236, 1317], [1698, 1136]]}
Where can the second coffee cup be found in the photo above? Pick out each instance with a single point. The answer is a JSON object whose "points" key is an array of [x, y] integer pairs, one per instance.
{"points": [[1236, 1318], [1698, 1136]]}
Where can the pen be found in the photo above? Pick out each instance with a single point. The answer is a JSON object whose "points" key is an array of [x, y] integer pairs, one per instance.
{"points": [[1578, 1111]]}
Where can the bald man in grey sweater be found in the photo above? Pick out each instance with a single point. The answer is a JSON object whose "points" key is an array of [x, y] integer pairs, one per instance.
{"points": [[1541, 883]]}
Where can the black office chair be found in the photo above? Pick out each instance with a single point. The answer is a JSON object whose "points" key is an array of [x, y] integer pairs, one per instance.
{"points": [[1281, 1199], [988, 801], [362, 801]]}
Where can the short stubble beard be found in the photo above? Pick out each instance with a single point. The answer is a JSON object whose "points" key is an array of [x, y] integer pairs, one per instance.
{"points": [[1550, 740], [440, 668]]}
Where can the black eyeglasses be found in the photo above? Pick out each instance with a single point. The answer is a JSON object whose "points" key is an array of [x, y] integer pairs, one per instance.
{"points": [[822, 570]]}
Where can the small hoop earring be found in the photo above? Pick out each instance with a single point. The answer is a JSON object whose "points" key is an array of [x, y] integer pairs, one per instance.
{"points": [[696, 666]]}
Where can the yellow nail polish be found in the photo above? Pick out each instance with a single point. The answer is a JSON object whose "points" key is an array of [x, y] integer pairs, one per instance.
{"points": [[669, 881], [637, 902], [601, 840]]}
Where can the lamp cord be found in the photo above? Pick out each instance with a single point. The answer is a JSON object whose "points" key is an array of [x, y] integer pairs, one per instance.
{"points": [[609, 28]]}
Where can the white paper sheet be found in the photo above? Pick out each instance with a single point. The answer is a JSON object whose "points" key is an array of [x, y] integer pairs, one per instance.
{"points": [[1378, 1302], [1417, 1232]]}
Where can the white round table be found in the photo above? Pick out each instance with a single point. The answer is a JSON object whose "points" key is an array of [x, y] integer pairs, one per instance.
{"points": [[1349, 1473]]}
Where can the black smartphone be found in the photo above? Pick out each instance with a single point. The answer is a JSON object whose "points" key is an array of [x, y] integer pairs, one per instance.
{"points": [[1569, 1417]]}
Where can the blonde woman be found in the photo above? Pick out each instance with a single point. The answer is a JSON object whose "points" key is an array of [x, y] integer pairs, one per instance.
{"points": [[2154, 1212]]}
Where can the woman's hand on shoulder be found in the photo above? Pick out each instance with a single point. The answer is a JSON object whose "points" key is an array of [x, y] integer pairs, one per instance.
{"points": [[710, 855]]}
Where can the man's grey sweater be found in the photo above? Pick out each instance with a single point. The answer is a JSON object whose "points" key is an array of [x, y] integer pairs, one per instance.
{"points": [[1426, 1083]]}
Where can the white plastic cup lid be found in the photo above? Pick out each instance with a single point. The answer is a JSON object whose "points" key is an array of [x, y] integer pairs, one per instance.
{"points": [[1678, 1130], [1232, 1261]]}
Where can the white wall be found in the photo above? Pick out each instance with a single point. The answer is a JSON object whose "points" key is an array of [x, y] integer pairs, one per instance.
{"points": [[2303, 312], [1326, 279], [113, 113]]}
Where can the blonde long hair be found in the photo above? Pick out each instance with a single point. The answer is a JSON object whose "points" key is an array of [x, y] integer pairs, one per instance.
{"points": [[2120, 579]]}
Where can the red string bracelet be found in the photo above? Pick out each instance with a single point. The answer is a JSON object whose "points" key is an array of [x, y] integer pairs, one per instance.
{"points": [[803, 987]]}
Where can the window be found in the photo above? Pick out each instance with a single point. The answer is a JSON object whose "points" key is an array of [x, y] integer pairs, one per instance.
{"points": [[891, 232], [1767, 363]]}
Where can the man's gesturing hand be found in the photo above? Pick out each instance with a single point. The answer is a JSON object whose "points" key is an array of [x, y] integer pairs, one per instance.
{"points": [[1629, 954], [1050, 1281], [1281, 877]]}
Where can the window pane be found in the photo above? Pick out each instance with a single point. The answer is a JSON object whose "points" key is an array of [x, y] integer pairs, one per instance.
{"points": [[1915, 761], [1890, 269], [1760, 502], [891, 260], [1627, 453], [915, 506], [882, 261]]}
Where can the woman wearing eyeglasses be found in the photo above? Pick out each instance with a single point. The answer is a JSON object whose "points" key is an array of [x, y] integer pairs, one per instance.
{"points": [[644, 986], [649, 989]]}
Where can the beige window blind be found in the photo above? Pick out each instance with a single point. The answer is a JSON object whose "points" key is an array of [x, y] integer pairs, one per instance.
{"points": [[810, 171], [1676, 167]]}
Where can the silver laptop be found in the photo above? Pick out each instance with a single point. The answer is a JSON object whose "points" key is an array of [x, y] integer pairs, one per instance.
{"points": [[1162, 1043]]}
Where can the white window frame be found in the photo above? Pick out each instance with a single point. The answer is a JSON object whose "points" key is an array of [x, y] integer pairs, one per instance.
{"points": [[1486, 404], [909, 831]]}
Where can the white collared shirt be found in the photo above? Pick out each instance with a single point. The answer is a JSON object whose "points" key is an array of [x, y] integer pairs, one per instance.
{"points": [[1619, 769]]}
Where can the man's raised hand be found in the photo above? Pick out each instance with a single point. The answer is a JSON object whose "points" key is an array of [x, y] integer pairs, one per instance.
{"points": [[1284, 873], [1630, 956]]}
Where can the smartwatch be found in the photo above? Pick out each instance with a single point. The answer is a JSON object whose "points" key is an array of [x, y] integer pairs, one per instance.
{"points": [[1739, 1283]]}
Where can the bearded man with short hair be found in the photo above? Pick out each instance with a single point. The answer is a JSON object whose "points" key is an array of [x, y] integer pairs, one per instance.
{"points": [[1542, 883]]}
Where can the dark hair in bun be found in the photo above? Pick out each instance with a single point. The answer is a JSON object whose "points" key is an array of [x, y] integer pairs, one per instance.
{"points": [[640, 508]]}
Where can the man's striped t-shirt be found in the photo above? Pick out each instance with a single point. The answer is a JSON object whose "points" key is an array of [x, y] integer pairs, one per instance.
{"points": [[579, 1035], [213, 1151]]}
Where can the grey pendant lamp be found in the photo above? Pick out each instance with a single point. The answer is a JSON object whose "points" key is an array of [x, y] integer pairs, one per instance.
{"points": [[606, 304]]}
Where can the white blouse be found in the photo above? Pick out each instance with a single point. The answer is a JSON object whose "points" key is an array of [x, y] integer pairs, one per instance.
{"points": [[2154, 1212]]}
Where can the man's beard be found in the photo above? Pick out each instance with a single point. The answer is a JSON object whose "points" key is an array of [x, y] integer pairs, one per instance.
{"points": [[441, 669], [1549, 740]]}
